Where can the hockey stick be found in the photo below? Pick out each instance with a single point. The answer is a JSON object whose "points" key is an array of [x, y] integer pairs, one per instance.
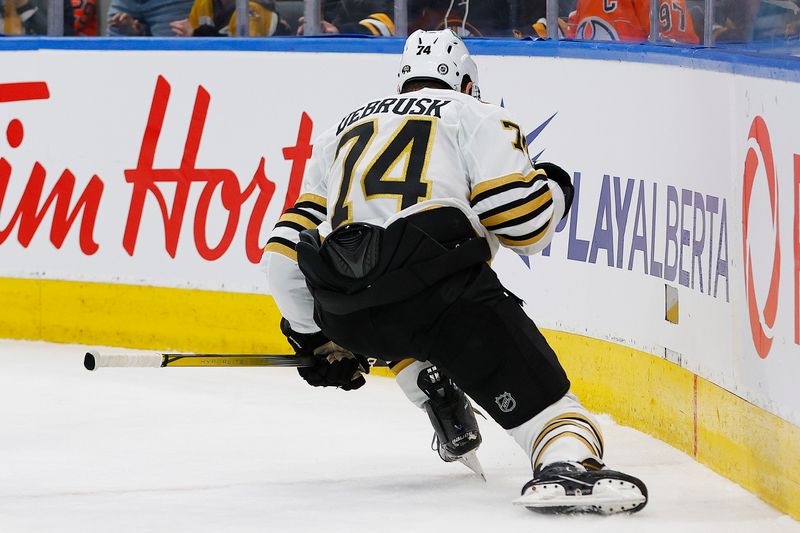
{"points": [[93, 360]]}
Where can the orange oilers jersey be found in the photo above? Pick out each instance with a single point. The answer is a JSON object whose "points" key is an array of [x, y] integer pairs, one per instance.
{"points": [[629, 20], [85, 12]]}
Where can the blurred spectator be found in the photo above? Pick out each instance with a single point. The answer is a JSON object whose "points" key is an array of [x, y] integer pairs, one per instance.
{"points": [[533, 18], [10, 24], [85, 14], [774, 19], [217, 18], [629, 20], [792, 20], [475, 18], [734, 19], [367, 17], [29, 17], [748, 20], [533, 10], [146, 17]]}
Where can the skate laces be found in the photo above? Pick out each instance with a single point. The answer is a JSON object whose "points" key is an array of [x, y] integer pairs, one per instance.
{"points": [[553, 469]]}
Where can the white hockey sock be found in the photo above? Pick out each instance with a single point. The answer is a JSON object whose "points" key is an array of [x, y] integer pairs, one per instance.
{"points": [[564, 431], [406, 376]]}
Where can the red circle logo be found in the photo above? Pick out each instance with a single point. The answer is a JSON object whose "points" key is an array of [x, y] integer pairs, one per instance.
{"points": [[761, 319]]}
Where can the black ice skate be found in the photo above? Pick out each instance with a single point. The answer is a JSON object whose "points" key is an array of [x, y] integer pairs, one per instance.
{"points": [[457, 435], [587, 487]]}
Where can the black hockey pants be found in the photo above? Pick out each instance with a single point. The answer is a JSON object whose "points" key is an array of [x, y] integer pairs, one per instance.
{"points": [[467, 323]]}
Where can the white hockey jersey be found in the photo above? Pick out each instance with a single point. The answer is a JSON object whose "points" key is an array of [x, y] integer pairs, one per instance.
{"points": [[404, 153]]}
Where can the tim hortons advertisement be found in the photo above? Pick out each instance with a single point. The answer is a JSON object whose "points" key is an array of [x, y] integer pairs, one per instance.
{"points": [[150, 172], [170, 169]]}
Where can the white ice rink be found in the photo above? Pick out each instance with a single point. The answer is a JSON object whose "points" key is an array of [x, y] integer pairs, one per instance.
{"points": [[229, 450]]}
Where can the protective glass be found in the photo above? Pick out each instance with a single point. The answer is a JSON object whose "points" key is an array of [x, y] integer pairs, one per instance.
{"points": [[344, 17], [678, 21], [768, 26]]}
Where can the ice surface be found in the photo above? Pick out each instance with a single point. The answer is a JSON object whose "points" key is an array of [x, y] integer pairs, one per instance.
{"points": [[219, 450]]}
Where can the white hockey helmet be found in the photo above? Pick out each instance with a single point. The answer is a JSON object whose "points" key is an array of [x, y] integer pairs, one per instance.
{"points": [[438, 55]]}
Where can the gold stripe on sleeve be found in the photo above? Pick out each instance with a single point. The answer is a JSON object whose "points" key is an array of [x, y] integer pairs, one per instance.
{"points": [[280, 248], [519, 211], [505, 180], [313, 198], [533, 240], [298, 219]]}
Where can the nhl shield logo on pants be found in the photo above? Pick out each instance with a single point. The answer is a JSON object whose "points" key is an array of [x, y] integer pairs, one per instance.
{"points": [[506, 402]]}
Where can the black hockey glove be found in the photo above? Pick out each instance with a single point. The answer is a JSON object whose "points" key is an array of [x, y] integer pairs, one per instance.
{"points": [[334, 366], [562, 177]]}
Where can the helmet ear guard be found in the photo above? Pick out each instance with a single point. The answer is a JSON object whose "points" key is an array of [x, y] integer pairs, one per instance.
{"points": [[438, 55], [474, 91]]}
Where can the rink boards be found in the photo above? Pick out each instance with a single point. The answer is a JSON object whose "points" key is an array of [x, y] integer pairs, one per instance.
{"points": [[136, 196]]}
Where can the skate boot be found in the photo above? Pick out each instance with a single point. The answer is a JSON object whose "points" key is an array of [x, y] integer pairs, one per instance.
{"points": [[587, 487], [457, 435]]}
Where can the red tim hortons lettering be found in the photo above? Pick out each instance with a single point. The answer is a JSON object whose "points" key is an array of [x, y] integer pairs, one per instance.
{"points": [[29, 214], [24, 91], [145, 179], [298, 154], [797, 248]]}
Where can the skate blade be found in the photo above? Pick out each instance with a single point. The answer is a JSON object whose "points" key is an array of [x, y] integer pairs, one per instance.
{"points": [[470, 460], [608, 497]]}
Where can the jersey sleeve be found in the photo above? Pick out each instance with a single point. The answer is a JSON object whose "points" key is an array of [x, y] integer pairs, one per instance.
{"points": [[286, 282], [310, 209], [641, 11], [513, 200]]}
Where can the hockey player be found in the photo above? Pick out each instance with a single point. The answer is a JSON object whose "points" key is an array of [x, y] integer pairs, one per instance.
{"points": [[386, 254], [629, 20]]}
